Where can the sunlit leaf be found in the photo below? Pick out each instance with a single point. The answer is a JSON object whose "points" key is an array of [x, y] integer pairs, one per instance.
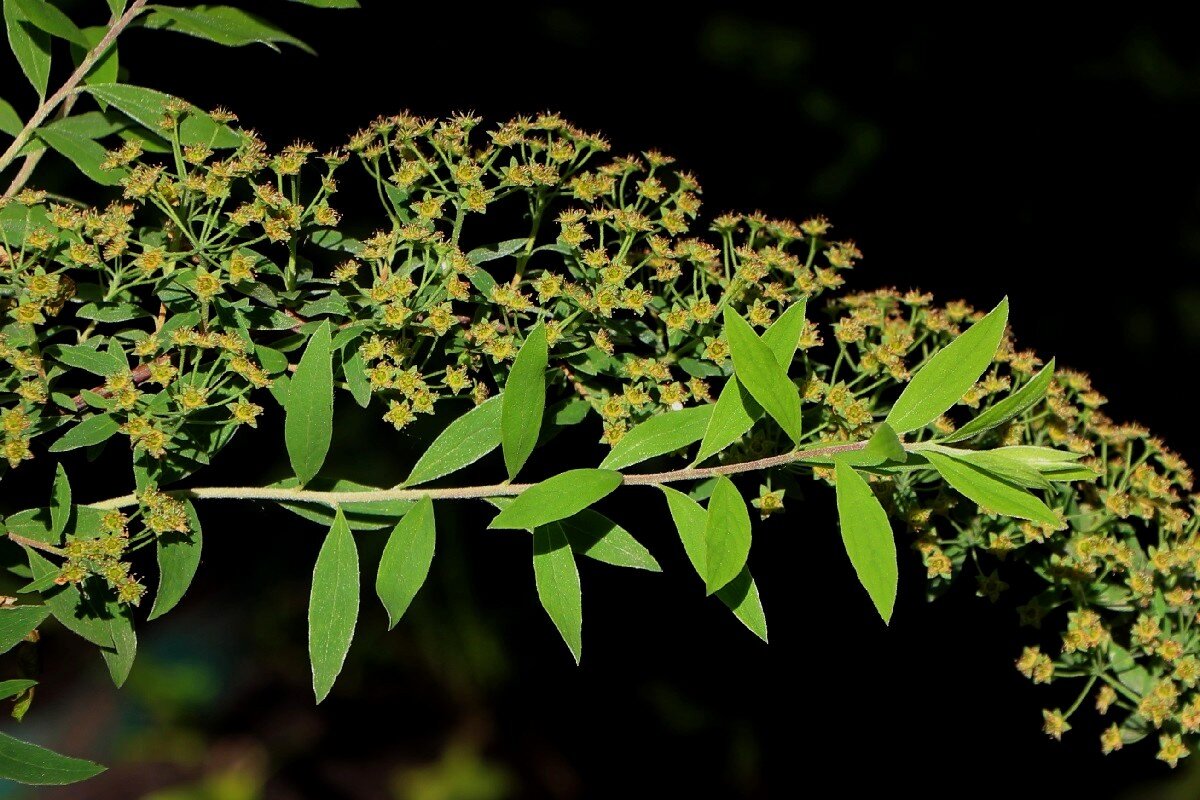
{"points": [[308, 422], [557, 498], [406, 559], [950, 373], [332, 606], [868, 538], [523, 401]]}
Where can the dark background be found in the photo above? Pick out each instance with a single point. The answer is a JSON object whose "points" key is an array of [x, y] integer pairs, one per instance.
{"points": [[1054, 163]]}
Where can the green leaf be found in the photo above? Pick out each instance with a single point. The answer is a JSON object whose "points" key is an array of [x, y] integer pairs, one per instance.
{"points": [[146, 107], [119, 660], [17, 621], [594, 535], [690, 520], [356, 379], [49, 18], [332, 606], [105, 623], [178, 560], [84, 153], [90, 431], [107, 67], [950, 373], [406, 559], [557, 580], [868, 538], [557, 498], [783, 336], [726, 535], [117, 7], [496, 251], [10, 120], [732, 417], [224, 25], [463, 442], [740, 594], [524, 399], [1008, 466], [1016, 403], [12, 688], [884, 445], [85, 358], [989, 490], [30, 45], [308, 421], [659, 435], [36, 766], [60, 502], [760, 372]]}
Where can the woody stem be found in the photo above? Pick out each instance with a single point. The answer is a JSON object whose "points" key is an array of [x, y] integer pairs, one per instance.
{"points": [[334, 499]]}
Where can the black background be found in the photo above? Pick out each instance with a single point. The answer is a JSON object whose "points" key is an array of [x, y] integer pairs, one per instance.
{"points": [[1055, 163]]}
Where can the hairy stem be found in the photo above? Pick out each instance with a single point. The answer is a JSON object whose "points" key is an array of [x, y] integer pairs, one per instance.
{"points": [[64, 92], [334, 499]]}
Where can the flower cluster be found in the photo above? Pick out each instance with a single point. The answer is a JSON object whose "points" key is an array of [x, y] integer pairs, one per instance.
{"points": [[172, 318]]}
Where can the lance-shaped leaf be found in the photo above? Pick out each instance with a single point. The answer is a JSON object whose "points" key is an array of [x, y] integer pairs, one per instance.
{"points": [[596, 536], [178, 560], [736, 411], [36, 766], [733, 415], [463, 442], [147, 106], [740, 594], [90, 431], [659, 435], [950, 373], [49, 18], [868, 538], [355, 372], [783, 335], [558, 588], [12, 688], [119, 659], [999, 413], [760, 372], [406, 559], [989, 490], [308, 421], [726, 535], [10, 120], [883, 446], [30, 45], [524, 400], [84, 153], [17, 621], [60, 503], [332, 606], [85, 358], [224, 25], [557, 498]]}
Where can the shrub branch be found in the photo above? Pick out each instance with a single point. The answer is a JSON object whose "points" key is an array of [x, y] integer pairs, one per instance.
{"points": [[334, 499]]}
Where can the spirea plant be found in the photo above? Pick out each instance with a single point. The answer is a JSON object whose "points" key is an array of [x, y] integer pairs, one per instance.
{"points": [[717, 359]]}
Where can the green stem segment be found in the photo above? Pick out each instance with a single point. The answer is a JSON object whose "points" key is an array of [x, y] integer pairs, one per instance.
{"points": [[334, 499]]}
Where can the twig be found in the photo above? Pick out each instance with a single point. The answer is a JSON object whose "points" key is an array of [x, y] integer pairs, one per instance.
{"points": [[25, 541], [334, 499]]}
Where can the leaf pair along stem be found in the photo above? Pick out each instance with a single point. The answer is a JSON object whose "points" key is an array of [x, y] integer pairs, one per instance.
{"points": [[335, 498]]}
